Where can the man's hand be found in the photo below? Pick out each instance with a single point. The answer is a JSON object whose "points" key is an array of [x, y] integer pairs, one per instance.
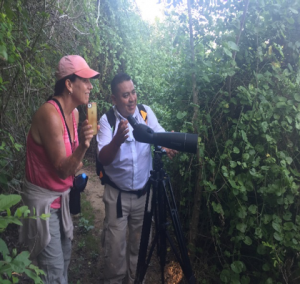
{"points": [[170, 152], [122, 133], [109, 151]]}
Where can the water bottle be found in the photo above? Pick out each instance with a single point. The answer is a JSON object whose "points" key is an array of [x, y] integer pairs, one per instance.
{"points": [[80, 182], [79, 185]]}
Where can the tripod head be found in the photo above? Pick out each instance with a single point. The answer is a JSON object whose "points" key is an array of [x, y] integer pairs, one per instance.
{"points": [[183, 142]]}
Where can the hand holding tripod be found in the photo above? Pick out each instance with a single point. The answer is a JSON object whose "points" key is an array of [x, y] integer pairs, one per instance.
{"points": [[162, 205]]}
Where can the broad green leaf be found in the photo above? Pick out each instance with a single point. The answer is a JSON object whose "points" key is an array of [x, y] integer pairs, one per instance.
{"points": [[258, 232], [269, 138], [293, 10], [241, 227], [233, 164], [217, 208], [22, 211], [3, 248], [246, 156], [233, 46], [3, 224], [287, 216], [235, 279], [3, 53], [21, 261], [244, 135], [252, 208], [283, 163], [181, 115], [289, 119], [288, 226], [237, 266], [17, 146], [8, 220], [276, 226], [245, 279], [44, 216], [261, 249], [232, 183], [33, 276], [7, 201], [225, 276], [242, 212], [264, 126], [6, 267], [266, 267], [248, 241], [278, 236], [236, 150], [297, 97], [289, 160], [227, 51]]}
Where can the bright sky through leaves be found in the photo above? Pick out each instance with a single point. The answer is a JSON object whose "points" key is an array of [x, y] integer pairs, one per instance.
{"points": [[150, 9]]}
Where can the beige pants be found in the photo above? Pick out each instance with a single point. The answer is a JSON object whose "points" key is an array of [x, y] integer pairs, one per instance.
{"points": [[120, 257]]}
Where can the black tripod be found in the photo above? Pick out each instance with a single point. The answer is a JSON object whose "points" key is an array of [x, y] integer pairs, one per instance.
{"points": [[162, 199]]}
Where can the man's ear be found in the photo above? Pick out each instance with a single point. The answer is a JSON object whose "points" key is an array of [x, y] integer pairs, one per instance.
{"points": [[113, 98]]}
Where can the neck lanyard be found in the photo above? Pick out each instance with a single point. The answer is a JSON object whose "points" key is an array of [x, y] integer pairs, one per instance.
{"points": [[62, 112]]}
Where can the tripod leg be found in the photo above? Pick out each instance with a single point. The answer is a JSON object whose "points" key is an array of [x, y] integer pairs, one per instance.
{"points": [[162, 198], [142, 265], [184, 258], [162, 223]]}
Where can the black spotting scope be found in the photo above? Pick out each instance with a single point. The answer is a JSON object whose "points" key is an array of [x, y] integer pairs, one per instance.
{"points": [[183, 142]]}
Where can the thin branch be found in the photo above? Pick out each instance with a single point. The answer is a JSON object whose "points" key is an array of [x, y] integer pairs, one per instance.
{"points": [[241, 28], [98, 13], [71, 18], [80, 31], [9, 67]]}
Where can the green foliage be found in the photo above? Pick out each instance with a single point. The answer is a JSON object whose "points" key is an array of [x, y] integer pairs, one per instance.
{"points": [[84, 225], [8, 150], [248, 82], [14, 265], [246, 70]]}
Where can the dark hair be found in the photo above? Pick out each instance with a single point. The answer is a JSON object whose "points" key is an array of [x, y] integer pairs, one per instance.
{"points": [[60, 84], [118, 79]]}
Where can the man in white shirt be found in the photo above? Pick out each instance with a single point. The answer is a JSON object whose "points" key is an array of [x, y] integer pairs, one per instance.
{"points": [[127, 163]]}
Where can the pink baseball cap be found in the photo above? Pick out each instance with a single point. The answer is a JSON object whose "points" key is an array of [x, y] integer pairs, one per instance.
{"points": [[74, 64]]}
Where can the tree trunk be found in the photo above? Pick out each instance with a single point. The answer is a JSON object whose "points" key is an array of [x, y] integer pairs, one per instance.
{"points": [[198, 190]]}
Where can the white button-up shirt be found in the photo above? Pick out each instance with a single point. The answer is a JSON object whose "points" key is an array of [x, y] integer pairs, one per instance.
{"points": [[131, 166]]}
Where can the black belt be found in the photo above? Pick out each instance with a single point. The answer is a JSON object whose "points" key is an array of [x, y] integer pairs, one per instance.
{"points": [[139, 193]]}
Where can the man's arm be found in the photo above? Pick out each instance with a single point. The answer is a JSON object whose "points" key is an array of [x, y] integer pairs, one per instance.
{"points": [[108, 152]]}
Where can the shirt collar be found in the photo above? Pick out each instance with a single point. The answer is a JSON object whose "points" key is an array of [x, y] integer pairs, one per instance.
{"points": [[121, 117]]}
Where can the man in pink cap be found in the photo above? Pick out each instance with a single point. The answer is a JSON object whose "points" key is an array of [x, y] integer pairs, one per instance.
{"points": [[54, 155]]}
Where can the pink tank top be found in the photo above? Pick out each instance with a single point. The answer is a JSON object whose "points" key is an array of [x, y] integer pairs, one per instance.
{"points": [[40, 171]]}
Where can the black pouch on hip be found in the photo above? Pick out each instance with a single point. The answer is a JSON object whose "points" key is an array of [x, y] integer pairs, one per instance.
{"points": [[79, 185]]}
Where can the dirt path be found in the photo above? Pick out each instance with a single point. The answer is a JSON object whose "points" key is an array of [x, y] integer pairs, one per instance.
{"points": [[94, 194], [86, 265]]}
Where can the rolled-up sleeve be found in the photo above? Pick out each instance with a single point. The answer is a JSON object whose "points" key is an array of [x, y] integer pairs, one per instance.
{"points": [[104, 135]]}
